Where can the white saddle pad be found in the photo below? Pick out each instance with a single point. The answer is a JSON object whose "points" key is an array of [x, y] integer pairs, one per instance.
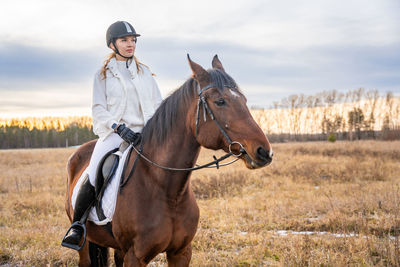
{"points": [[110, 194]]}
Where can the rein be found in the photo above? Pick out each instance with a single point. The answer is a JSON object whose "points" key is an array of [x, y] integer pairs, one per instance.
{"points": [[207, 165], [202, 102]]}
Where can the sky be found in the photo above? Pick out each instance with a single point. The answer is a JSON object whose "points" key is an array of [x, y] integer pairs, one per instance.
{"points": [[50, 49]]}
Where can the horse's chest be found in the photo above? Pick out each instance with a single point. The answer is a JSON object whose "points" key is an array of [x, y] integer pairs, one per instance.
{"points": [[170, 227], [181, 219], [183, 226]]}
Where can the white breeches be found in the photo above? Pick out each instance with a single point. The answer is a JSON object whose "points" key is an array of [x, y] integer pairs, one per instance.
{"points": [[102, 147]]}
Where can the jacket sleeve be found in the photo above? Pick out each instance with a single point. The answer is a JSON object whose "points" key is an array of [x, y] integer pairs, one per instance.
{"points": [[100, 113], [156, 94]]}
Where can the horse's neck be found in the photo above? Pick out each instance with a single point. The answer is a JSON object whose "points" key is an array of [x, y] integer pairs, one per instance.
{"points": [[180, 151]]}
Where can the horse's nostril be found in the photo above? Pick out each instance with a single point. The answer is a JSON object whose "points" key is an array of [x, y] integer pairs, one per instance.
{"points": [[262, 153]]}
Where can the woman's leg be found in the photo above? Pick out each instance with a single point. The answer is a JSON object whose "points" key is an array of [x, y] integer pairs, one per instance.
{"points": [[102, 147]]}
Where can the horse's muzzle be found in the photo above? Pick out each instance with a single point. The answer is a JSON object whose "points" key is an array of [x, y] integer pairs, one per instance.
{"points": [[264, 157]]}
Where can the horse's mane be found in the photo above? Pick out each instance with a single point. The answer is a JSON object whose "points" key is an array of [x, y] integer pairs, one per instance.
{"points": [[160, 126]]}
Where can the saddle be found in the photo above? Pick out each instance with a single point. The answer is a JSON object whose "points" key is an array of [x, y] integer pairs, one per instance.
{"points": [[104, 173]]}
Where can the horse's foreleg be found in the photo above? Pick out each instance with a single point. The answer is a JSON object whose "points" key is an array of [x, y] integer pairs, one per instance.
{"points": [[180, 258], [130, 259], [118, 258], [84, 257]]}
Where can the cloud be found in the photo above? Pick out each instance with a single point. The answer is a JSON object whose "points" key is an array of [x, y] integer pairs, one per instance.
{"points": [[28, 63], [312, 69], [47, 99], [259, 23], [263, 73], [271, 48]]}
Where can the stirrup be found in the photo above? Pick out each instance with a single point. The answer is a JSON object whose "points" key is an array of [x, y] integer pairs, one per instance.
{"points": [[75, 225]]}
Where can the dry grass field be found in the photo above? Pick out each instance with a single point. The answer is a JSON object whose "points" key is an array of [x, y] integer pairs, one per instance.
{"points": [[337, 202]]}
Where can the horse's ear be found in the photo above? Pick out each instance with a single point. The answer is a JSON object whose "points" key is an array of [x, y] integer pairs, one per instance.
{"points": [[200, 74], [216, 64]]}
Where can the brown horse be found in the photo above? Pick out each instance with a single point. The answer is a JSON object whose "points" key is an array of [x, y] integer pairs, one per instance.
{"points": [[156, 210]]}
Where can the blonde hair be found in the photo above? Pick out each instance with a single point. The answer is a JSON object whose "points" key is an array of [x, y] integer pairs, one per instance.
{"points": [[112, 55]]}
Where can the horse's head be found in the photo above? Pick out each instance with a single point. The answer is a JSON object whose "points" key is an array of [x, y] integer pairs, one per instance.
{"points": [[223, 120]]}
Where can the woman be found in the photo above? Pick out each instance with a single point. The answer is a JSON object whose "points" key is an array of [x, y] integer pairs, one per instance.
{"points": [[125, 96]]}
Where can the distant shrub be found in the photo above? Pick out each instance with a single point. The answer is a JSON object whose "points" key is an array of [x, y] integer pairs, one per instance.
{"points": [[332, 138]]}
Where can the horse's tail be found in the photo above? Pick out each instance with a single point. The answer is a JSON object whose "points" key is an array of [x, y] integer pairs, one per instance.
{"points": [[98, 255]]}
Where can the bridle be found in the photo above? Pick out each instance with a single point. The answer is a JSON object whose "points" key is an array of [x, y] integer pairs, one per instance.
{"points": [[202, 102]]}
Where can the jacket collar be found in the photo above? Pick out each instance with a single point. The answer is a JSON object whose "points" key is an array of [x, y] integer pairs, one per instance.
{"points": [[113, 67]]}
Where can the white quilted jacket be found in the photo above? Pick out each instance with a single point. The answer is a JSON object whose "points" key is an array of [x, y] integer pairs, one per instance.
{"points": [[109, 97]]}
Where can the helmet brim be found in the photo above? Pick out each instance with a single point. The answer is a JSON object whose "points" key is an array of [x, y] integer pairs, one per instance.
{"points": [[128, 34], [123, 35]]}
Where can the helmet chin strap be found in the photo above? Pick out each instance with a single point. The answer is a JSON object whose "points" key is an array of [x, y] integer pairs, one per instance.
{"points": [[117, 51]]}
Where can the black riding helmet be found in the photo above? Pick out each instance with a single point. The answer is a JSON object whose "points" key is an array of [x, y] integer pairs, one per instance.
{"points": [[117, 30]]}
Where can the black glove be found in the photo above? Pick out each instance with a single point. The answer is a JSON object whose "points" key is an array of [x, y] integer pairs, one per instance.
{"points": [[128, 135]]}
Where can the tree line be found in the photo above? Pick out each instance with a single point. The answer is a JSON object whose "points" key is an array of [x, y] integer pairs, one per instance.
{"points": [[45, 132], [357, 114]]}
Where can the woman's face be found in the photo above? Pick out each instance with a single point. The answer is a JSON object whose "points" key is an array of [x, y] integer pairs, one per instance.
{"points": [[126, 46]]}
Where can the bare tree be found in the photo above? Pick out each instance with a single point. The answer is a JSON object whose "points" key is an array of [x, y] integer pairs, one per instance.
{"points": [[389, 109], [356, 120], [372, 97]]}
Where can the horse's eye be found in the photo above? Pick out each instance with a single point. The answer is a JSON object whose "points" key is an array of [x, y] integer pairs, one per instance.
{"points": [[220, 102]]}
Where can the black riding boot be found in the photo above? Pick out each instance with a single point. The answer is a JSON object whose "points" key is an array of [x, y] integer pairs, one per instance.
{"points": [[85, 198]]}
